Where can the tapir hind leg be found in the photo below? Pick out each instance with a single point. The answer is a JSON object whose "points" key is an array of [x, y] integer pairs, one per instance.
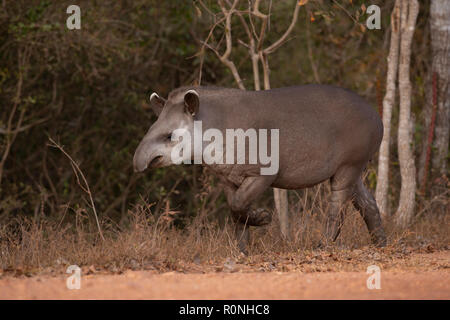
{"points": [[240, 199], [335, 213], [367, 207], [342, 186]]}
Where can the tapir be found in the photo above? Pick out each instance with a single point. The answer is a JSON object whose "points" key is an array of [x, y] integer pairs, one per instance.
{"points": [[325, 133]]}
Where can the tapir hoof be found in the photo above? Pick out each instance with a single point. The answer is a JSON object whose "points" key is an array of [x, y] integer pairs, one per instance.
{"points": [[242, 236], [379, 240], [259, 217]]}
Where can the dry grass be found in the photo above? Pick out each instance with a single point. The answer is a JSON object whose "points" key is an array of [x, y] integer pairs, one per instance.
{"points": [[152, 242]]}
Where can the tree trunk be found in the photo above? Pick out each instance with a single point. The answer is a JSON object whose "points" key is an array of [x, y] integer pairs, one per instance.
{"points": [[440, 43], [429, 124], [280, 196], [427, 114], [405, 211], [381, 192], [282, 206]]}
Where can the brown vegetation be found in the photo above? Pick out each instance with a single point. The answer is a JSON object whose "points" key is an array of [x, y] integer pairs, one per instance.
{"points": [[86, 90], [153, 242]]}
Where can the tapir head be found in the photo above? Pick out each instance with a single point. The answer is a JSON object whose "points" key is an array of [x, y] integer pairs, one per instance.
{"points": [[177, 112]]}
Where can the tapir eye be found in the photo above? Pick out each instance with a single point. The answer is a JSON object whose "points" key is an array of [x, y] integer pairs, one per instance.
{"points": [[169, 136]]}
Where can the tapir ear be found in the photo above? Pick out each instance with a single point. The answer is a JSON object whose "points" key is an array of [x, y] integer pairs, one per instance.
{"points": [[191, 102], [156, 103]]}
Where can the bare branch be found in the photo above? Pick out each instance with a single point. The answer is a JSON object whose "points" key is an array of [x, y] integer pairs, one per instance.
{"points": [[202, 49], [85, 188], [256, 11], [243, 43], [228, 14], [264, 19], [251, 49], [11, 137], [225, 57], [280, 41], [251, 21], [310, 53], [23, 128]]}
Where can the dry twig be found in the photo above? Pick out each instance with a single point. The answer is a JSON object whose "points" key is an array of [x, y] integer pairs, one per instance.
{"points": [[85, 188]]}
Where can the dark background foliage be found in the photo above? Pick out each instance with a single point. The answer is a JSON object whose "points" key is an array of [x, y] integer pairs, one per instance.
{"points": [[87, 89]]}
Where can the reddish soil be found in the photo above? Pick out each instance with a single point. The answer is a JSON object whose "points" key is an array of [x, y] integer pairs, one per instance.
{"points": [[430, 280]]}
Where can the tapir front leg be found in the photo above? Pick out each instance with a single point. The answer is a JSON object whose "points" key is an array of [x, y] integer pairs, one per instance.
{"points": [[240, 199]]}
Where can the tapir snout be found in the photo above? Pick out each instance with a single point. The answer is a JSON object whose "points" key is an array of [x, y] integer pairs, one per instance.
{"points": [[146, 156], [140, 159]]}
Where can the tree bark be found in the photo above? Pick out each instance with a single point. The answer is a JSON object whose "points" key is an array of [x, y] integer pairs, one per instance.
{"points": [[381, 192], [440, 43], [427, 113], [440, 64], [405, 211], [430, 120]]}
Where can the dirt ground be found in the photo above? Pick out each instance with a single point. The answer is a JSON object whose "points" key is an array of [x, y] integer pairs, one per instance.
{"points": [[418, 276]]}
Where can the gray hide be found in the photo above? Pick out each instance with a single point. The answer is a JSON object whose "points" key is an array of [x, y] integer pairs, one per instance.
{"points": [[325, 132]]}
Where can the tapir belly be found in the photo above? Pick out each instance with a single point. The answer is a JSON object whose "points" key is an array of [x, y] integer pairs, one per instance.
{"points": [[304, 165]]}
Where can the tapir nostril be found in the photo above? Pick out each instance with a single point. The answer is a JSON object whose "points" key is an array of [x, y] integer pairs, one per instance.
{"points": [[155, 161]]}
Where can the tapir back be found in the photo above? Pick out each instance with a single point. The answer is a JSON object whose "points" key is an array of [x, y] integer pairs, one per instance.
{"points": [[320, 127]]}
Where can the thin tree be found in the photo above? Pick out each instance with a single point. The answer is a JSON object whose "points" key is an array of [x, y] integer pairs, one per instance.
{"points": [[440, 42], [405, 211], [438, 103], [381, 193]]}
